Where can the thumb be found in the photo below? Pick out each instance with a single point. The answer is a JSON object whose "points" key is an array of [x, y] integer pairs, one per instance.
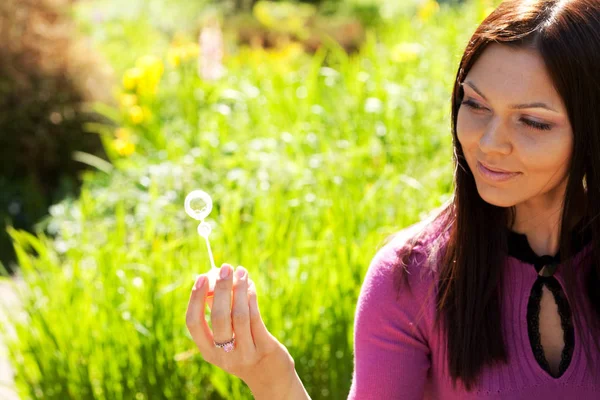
{"points": [[262, 337]]}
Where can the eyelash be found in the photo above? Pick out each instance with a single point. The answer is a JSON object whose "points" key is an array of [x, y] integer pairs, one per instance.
{"points": [[532, 124]]}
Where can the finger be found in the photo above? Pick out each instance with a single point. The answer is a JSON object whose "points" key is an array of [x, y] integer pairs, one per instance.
{"points": [[262, 337], [221, 310], [195, 320], [240, 313], [212, 275]]}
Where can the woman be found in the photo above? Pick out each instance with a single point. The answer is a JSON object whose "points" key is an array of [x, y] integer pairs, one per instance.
{"points": [[490, 297]]}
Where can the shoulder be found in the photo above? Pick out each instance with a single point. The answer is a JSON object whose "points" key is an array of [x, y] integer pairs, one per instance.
{"points": [[416, 250], [393, 328], [382, 287]]}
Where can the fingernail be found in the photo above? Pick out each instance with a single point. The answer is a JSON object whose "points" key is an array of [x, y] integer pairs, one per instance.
{"points": [[225, 269], [200, 282], [241, 272]]}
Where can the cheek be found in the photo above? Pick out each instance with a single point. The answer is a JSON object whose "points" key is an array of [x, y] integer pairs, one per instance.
{"points": [[545, 155], [466, 129], [467, 133]]}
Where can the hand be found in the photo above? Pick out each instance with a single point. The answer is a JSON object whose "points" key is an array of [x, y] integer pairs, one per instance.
{"points": [[258, 358]]}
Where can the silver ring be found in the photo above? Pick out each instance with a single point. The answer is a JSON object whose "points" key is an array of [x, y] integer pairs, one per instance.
{"points": [[227, 346]]}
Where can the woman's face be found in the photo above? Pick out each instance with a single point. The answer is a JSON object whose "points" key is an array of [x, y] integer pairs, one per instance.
{"points": [[518, 124]]}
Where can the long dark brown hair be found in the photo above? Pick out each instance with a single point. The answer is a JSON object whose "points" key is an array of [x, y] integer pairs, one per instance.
{"points": [[567, 36]]}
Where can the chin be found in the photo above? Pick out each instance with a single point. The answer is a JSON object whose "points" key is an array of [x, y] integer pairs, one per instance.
{"points": [[497, 199]]}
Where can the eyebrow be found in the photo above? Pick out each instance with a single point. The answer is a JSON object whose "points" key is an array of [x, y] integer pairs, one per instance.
{"points": [[513, 106]]}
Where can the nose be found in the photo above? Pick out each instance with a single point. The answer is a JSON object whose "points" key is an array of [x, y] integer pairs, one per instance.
{"points": [[495, 138]]}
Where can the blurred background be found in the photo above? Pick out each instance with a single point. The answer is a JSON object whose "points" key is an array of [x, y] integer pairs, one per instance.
{"points": [[319, 128]]}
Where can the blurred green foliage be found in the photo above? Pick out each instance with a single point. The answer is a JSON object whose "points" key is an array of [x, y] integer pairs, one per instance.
{"points": [[47, 74], [311, 161]]}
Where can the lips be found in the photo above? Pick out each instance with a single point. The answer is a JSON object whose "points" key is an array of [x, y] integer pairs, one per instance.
{"points": [[497, 169], [493, 176]]}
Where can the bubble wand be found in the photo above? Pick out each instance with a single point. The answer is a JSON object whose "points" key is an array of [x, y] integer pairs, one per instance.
{"points": [[204, 229]]}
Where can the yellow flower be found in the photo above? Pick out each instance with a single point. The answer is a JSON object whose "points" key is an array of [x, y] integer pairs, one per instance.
{"points": [[182, 52], [405, 52], [146, 75], [280, 58], [127, 100], [427, 9], [151, 65], [291, 51], [123, 133], [174, 56], [136, 114], [124, 147], [261, 12], [131, 78], [283, 16]]}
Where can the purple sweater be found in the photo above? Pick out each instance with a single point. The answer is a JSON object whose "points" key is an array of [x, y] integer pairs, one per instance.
{"points": [[397, 356]]}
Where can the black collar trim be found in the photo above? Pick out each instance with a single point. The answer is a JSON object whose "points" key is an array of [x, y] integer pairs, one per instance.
{"points": [[519, 248]]}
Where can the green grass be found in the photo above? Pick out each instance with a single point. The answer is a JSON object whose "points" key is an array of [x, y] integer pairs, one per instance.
{"points": [[311, 163]]}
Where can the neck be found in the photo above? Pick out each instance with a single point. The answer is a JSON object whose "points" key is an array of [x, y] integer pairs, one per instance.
{"points": [[541, 224]]}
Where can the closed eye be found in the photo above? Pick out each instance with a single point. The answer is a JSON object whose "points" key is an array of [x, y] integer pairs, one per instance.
{"points": [[472, 105], [537, 125], [533, 124]]}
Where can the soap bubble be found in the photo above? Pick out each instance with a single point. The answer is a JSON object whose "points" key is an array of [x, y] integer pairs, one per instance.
{"points": [[198, 204], [204, 229]]}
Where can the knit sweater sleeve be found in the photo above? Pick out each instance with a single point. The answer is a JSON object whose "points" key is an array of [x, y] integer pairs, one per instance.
{"points": [[391, 352]]}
